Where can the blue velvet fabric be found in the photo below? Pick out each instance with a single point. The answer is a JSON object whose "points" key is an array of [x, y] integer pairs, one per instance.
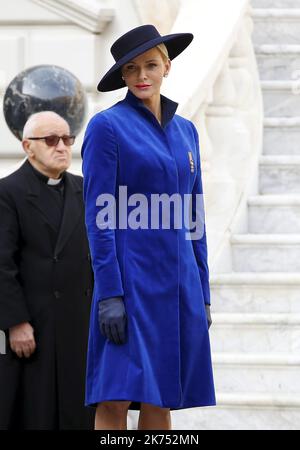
{"points": [[162, 276]]}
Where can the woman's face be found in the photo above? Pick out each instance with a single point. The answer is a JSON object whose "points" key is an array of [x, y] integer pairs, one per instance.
{"points": [[144, 74]]}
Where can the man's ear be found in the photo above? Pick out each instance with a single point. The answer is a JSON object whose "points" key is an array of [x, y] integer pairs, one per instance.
{"points": [[26, 147]]}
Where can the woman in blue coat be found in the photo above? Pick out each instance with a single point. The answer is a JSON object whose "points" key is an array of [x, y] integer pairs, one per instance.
{"points": [[149, 345]]}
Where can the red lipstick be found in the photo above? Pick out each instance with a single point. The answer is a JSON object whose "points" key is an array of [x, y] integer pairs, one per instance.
{"points": [[142, 86]]}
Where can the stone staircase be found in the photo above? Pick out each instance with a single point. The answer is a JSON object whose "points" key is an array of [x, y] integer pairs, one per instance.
{"points": [[256, 332]]}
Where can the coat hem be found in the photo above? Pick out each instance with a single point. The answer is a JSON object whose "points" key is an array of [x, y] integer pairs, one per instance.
{"points": [[135, 404]]}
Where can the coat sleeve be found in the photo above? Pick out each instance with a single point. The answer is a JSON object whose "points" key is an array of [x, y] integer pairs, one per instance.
{"points": [[198, 213], [100, 165], [13, 308]]}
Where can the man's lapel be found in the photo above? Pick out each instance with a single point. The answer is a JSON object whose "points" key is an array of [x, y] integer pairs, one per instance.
{"points": [[73, 210], [35, 195]]}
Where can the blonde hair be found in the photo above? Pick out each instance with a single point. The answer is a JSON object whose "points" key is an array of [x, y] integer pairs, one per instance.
{"points": [[164, 51]]}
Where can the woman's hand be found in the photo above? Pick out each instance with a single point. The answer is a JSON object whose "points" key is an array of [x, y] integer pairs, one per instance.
{"points": [[112, 319]]}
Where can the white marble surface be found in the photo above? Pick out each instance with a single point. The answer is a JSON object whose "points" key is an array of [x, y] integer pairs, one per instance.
{"points": [[258, 257], [237, 418], [168, 10], [253, 337], [281, 101], [275, 3], [261, 376], [277, 30], [254, 298], [278, 66], [274, 219], [279, 178], [281, 139]]}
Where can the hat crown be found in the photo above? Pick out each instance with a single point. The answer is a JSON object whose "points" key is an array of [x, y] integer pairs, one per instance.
{"points": [[133, 39]]}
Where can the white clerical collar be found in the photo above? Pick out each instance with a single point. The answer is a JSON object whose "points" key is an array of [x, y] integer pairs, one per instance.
{"points": [[53, 181]]}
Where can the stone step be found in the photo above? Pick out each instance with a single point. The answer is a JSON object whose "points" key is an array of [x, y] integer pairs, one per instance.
{"points": [[274, 214], [281, 98], [260, 373], [275, 3], [243, 411], [266, 253], [255, 333], [248, 292], [278, 62], [276, 26], [282, 136], [279, 175]]}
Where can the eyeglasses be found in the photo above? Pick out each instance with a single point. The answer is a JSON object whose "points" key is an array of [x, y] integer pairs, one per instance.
{"points": [[53, 140]]}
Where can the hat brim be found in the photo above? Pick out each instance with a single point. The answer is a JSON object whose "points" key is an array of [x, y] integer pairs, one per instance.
{"points": [[175, 43]]}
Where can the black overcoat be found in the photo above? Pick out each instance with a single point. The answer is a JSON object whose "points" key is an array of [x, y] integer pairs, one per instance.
{"points": [[49, 285]]}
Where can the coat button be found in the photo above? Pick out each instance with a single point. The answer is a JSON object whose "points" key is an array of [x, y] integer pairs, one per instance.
{"points": [[57, 294], [55, 259], [89, 257], [88, 292]]}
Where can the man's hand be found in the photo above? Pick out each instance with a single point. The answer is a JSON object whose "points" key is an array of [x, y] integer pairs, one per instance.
{"points": [[21, 340], [208, 315]]}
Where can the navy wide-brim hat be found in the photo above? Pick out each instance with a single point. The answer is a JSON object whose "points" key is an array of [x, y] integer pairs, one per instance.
{"points": [[134, 43]]}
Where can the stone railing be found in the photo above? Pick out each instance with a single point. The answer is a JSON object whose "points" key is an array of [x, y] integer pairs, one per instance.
{"points": [[217, 85]]}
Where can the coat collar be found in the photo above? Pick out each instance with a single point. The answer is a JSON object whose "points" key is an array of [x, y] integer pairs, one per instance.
{"points": [[73, 206], [168, 107], [46, 179]]}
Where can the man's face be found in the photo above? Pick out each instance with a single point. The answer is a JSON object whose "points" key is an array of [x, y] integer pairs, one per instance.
{"points": [[53, 159]]}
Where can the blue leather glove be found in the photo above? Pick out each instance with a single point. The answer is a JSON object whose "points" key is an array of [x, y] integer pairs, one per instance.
{"points": [[112, 319], [208, 315]]}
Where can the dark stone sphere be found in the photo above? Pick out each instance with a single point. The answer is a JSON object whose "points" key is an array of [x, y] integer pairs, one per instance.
{"points": [[44, 88]]}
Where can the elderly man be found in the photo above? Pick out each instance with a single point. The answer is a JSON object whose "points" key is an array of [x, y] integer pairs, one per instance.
{"points": [[45, 285]]}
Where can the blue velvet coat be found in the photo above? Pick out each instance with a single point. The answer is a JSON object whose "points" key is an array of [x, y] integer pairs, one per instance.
{"points": [[163, 278]]}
